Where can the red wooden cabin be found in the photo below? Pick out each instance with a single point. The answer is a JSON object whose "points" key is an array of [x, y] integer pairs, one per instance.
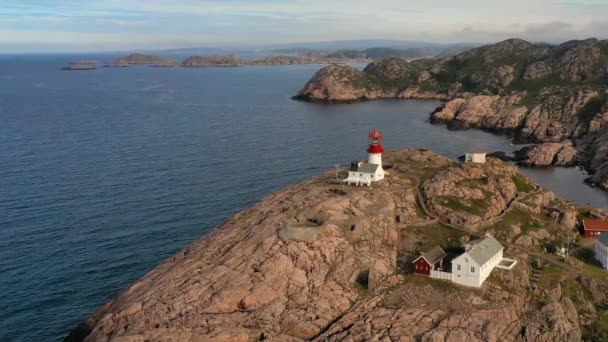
{"points": [[593, 228], [431, 260]]}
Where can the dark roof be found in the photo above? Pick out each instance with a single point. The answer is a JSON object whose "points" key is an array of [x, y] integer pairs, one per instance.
{"points": [[433, 256], [484, 250], [590, 224], [367, 168], [603, 239]]}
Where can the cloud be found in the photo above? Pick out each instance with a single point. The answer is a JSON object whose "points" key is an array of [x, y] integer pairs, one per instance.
{"points": [[119, 22], [212, 22]]}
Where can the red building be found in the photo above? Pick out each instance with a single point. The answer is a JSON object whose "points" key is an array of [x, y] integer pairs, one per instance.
{"points": [[593, 228], [431, 260]]}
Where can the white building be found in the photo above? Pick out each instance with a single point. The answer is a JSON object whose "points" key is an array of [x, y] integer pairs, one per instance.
{"points": [[601, 249], [364, 173], [477, 262], [475, 157]]}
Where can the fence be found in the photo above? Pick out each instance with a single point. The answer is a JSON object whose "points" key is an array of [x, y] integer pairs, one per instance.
{"points": [[441, 275]]}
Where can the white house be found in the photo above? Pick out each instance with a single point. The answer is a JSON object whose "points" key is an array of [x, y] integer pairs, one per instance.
{"points": [[477, 262], [601, 249], [364, 173], [475, 157]]}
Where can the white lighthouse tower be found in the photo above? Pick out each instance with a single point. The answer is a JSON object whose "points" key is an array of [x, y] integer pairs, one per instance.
{"points": [[362, 173], [375, 149]]}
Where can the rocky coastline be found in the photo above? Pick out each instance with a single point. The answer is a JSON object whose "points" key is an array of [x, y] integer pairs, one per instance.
{"points": [[552, 95], [322, 261]]}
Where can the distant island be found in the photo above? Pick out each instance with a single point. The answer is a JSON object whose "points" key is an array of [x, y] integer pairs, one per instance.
{"points": [[552, 95], [274, 58]]}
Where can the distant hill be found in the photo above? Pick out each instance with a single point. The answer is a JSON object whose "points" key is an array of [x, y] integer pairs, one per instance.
{"points": [[381, 52]]}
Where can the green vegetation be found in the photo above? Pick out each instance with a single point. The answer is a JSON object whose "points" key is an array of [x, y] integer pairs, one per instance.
{"points": [[598, 331], [521, 183], [438, 284], [526, 220], [476, 206], [432, 235], [428, 86], [551, 275], [592, 107]]}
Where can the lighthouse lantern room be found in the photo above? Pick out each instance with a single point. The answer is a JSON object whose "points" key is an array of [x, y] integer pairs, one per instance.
{"points": [[364, 173]]}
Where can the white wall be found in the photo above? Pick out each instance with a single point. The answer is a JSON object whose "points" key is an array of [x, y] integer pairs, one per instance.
{"points": [[475, 157], [474, 278], [601, 254], [374, 158], [440, 275]]}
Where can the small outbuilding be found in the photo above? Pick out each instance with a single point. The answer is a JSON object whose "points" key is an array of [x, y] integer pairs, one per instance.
{"points": [[475, 157], [601, 249], [593, 228], [429, 261]]}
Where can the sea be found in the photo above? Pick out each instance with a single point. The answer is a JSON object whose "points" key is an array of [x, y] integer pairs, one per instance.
{"points": [[105, 173]]}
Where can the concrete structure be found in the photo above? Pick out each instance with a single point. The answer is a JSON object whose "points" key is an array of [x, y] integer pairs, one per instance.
{"points": [[601, 249], [429, 261], [474, 266], [475, 157], [364, 173], [593, 228]]}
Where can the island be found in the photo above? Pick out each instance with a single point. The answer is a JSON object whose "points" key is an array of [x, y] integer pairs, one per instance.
{"points": [[79, 67], [552, 95], [325, 261], [140, 58]]}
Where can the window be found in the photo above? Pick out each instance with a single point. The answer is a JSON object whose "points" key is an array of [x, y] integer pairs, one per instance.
{"points": [[458, 267], [472, 269]]}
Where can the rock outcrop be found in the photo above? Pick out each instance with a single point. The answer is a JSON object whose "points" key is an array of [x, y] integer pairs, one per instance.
{"points": [[538, 93], [547, 154], [322, 261]]}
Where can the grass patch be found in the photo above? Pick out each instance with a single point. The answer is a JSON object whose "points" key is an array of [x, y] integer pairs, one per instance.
{"points": [[438, 284], [433, 235], [592, 107], [551, 275], [476, 206], [521, 183]]}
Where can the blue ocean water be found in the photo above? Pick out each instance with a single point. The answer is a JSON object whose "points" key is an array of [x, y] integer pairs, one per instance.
{"points": [[105, 173]]}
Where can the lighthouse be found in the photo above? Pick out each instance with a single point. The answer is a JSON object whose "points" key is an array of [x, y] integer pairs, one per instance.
{"points": [[375, 149], [364, 173]]}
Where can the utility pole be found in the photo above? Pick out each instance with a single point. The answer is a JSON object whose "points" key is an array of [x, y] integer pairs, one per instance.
{"points": [[568, 247], [337, 166]]}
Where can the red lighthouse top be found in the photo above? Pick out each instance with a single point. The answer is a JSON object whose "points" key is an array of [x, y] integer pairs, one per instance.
{"points": [[375, 139]]}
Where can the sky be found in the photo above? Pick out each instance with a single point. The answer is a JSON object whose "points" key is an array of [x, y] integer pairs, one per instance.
{"points": [[113, 25]]}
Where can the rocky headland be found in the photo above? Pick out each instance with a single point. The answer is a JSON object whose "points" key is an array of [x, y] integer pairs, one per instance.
{"points": [[323, 261], [554, 95], [212, 61]]}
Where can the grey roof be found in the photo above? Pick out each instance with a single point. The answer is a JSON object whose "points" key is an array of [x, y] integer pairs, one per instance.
{"points": [[367, 168], [484, 250], [603, 239], [434, 255]]}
